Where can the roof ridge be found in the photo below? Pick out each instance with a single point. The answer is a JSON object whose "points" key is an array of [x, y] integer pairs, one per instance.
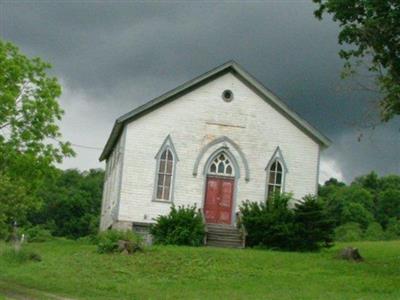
{"points": [[170, 95]]}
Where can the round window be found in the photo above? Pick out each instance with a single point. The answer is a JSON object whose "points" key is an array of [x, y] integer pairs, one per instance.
{"points": [[227, 95]]}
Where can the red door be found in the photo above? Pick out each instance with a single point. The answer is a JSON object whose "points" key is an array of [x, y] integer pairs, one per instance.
{"points": [[218, 202]]}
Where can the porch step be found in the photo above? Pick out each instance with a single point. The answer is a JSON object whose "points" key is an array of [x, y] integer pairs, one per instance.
{"points": [[223, 236]]}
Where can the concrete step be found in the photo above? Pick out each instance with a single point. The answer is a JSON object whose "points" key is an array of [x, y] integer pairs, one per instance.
{"points": [[224, 244], [220, 235], [224, 235], [228, 240]]}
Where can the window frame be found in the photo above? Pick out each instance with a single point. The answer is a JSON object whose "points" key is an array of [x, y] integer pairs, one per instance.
{"points": [[216, 162], [166, 146], [274, 184], [277, 157], [164, 173]]}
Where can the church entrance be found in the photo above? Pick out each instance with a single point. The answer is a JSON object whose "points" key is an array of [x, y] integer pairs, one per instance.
{"points": [[220, 184]]}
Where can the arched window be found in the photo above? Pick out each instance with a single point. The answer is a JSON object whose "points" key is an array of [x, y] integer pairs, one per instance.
{"points": [[164, 176], [275, 178], [221, 165], [166, 159]]}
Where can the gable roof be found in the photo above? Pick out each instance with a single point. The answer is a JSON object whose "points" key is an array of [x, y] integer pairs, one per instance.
{"points": [[230, 66]]}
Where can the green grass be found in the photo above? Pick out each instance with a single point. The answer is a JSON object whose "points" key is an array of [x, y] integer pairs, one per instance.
{"points": [[74, 269]]}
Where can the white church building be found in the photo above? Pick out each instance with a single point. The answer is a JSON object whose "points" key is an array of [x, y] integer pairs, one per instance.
{"points": [[217, 140]]}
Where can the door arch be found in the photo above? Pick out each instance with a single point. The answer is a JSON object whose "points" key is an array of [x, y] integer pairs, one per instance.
{"points": [[221, 173]]}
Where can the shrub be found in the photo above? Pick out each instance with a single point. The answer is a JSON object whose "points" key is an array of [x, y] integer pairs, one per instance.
{"points": [[313, 227], [393, 229], [37, 234], [107, 241], [348, 232], [269, 224], [374, 232], [182, 226]]}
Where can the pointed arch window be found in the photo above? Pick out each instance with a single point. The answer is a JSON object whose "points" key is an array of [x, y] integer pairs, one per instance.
{"points": [[276, 174], [275, 180], [165, 171], [221, 165]]}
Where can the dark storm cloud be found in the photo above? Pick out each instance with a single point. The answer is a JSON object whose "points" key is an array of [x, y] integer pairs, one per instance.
{"points": [[112, 57]]}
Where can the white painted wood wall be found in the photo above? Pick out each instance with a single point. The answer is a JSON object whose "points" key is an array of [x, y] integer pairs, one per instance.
{"points": [[192, 120]]}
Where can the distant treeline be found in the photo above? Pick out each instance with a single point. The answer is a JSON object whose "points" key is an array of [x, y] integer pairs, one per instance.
{"points": [[368, 208]]}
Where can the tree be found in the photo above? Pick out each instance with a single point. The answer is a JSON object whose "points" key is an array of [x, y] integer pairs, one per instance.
{"points": [[71, 203], [313, 227], [14, 204], [30, 140], [372, 28], [388, 206], [349, 204]]}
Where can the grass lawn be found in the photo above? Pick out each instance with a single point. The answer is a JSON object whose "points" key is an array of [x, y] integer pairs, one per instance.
{"points": [[74, 269]]}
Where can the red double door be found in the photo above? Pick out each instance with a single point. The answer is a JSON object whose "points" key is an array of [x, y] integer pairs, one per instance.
{"points": [[218, 201]]}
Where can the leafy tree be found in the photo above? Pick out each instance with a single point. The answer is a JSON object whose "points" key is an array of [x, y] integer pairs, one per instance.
{"points": [[71, 203], [329, 187], [313, 227], [388, 205], [29, 108], [370, 181], [356, 212], [14, 204], [372, 28], [390, 182], [30, 140], [349, 204]]}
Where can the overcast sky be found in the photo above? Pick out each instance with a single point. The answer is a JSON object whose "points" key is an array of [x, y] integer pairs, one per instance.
{"points": [[111, 58]]}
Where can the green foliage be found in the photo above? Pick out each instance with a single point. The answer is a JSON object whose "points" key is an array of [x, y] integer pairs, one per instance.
{"points": [[15, 202], [313, 227], [37, 234], [356, 212], [107, 241], [274, 225], [393, 229], [348, 232], [348, 204], [372, 29], [71, 203], [269, 224], [29, 109], [388, 205], [30, 139], [182, 226], [374, 232]]}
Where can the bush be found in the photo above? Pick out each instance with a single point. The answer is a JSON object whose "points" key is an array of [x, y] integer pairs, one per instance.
{"points": [[269, 224], [393, 229], [348, 232], [313, 227], [182, 226], [37, 234], [374, 232], [107, 241]]}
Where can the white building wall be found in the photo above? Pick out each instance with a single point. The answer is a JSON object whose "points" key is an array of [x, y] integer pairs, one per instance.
{"points": [[112, 186], [194, 120]]}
